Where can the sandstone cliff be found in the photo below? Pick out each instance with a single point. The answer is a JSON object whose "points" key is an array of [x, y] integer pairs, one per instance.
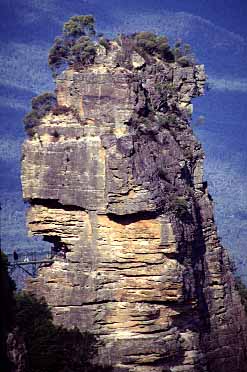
{"points": [[115, 174]]}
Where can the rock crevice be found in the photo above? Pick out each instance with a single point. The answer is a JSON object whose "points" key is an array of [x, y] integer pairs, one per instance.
{"points": [[121, 184]]}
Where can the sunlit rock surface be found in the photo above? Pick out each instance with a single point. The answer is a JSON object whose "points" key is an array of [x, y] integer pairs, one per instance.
{"points": [[119, 181]]}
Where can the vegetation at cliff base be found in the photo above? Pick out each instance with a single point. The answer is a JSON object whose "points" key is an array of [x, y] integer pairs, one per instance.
{"points": [[52, 348], [38, 345], [7, 287]]}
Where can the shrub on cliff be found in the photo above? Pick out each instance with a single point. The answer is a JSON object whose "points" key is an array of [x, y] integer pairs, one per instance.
{"points": [[82, 52], [81, 25], [154, 44], [182, 54], [242, 290], [104, 42], [166, 120], [75, 46], [44, 102], [179, 206], [61, 110], [41, 105], [58, 54], [184, 61]]}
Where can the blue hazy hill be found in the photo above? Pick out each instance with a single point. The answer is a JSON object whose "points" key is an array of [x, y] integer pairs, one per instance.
{"points": [[217, 33]]}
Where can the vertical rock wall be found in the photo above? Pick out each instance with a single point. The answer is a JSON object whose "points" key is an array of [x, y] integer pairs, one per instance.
{"points": [[118, 180]]}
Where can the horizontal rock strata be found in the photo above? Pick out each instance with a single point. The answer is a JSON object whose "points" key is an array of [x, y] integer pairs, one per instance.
{"points": [[145, 270]]}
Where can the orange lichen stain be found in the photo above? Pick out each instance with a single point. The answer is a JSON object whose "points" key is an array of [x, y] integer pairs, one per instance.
{"points": [[132, 194], [102, 155], [90, 121]]}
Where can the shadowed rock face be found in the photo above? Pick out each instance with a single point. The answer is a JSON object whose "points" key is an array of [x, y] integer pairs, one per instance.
{"points": [[118, 180]]}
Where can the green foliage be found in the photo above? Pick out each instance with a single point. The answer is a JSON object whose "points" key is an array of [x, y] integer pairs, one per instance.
{"points": [[52, 348], [44, 102], [187, 49], [146, 41], [41, 105], [184, 61], [242, 290], [75, 46], [61, 110], [153, 44], [7, 287], [179, 205], [83, 51], [31, 120], [82, 25], [104, 42], [166, 120], [183, 54], [58, 53]]}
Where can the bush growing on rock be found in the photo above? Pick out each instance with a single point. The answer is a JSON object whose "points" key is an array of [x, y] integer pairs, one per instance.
{"points": [[153, 44], [60, 110], [183, 54], [166, 120], [81, 25], [44, 103], [184, 61], [58, 54], [82, 52], [104, 42], [75, 46], [180, 206], [41, 105], [242, 290]]}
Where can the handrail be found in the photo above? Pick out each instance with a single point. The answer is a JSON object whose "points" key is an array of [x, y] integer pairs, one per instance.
{"points": [[22, 263]]}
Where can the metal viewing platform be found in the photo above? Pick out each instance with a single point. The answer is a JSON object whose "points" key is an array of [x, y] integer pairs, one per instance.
{"points": [[29, 265]]}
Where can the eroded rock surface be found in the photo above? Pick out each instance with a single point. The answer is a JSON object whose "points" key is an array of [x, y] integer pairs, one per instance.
{"points": [[118, 180]]}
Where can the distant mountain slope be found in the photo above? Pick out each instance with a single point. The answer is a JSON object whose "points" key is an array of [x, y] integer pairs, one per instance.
{"points": [[27, 30]]}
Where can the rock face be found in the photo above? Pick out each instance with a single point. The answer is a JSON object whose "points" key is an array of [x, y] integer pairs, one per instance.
{"points": [[118, 180]]}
